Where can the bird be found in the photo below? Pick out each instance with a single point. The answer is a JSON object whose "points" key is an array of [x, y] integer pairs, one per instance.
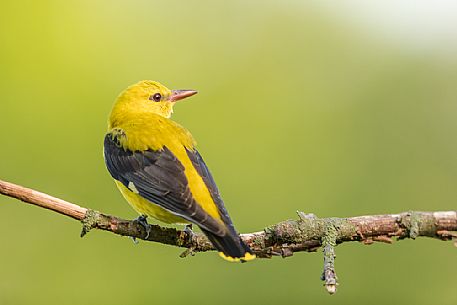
{"points": [[158, 170]]}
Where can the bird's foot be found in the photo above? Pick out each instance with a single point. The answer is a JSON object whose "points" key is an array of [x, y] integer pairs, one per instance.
{"points": [[189, 236], [134, 240], [142, 221], [189, 251], [188, 230]]}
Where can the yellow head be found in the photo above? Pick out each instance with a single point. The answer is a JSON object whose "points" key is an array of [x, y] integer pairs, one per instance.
{"points": [[147, 97]]}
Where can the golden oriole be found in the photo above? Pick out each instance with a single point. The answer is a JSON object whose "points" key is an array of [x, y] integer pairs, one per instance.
{"points": [[156, 167]]}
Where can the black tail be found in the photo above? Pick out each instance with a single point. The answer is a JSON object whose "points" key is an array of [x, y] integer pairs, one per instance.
{"points": [[230, 247]]}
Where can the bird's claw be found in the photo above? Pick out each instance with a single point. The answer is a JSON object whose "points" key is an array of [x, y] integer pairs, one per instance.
{"points": [[134, 240], [187, 252], [142, 221], [189, 235], [188, 230]]}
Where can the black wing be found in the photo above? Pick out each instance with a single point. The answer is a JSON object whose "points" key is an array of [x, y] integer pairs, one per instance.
{"points": [[159, 177], [204, 172], [231, 245]]}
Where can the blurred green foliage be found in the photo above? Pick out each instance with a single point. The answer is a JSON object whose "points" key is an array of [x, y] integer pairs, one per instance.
{"points": [[297, 110]]}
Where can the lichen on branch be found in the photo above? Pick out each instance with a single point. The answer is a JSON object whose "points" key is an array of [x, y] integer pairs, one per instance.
{"points": [[307, 233]]}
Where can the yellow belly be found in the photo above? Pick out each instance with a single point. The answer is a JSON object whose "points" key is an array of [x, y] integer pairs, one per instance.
{"points": [[145, 207]]}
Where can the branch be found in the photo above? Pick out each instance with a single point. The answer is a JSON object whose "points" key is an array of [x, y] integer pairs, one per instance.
{"points": [[308, 233]]}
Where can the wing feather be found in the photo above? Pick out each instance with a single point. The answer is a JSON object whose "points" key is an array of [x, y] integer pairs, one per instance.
{"points": [[159, 177], [204, 172]]}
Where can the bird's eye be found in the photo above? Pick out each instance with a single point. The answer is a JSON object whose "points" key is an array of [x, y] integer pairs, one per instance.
{"points": [[156, 97]]}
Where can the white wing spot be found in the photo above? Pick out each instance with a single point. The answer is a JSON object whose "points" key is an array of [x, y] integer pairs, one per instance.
{"points": [[133, 188]]}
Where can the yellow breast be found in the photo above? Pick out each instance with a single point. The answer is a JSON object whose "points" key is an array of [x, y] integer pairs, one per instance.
{"points": [[144, 207]]}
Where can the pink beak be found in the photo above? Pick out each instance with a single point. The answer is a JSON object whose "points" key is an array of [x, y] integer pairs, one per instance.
{"points": [[177, 95]]}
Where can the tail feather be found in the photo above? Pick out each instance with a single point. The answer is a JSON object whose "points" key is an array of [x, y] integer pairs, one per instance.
{"points": [[231, 247]]}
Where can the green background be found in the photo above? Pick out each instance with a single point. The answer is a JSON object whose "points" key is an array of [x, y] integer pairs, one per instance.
{"points": [[298, 108]]}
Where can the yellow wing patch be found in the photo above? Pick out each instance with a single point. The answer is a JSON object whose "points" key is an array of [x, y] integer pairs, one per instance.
{"points": [[197, 186]]}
